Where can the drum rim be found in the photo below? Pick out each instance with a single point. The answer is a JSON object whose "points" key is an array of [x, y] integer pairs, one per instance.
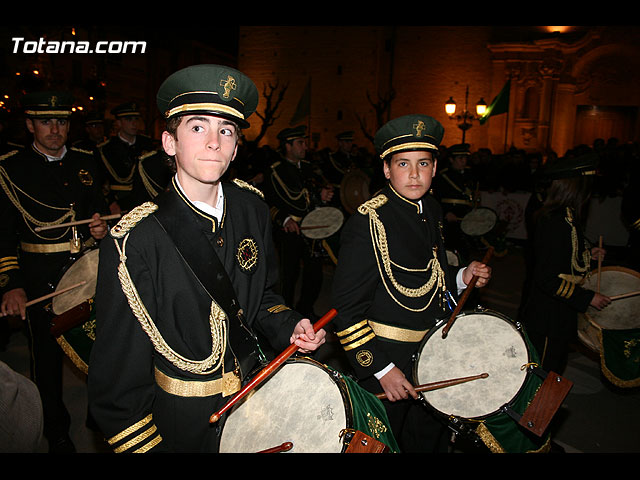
{"points": [[517, 326], [334, 375]]}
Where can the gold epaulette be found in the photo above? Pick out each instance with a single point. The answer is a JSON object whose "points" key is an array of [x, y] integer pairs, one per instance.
{"points": [[8, 154], [82, 150], [247, 186], [132, 218], [147, 154], [372, 204]]}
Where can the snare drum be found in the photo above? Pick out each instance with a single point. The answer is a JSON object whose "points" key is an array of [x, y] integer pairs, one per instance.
{"points": [[75, 315], [480, 342], [304, 403], [322, 222], [83, 269], [479, 221], [621, 314], [613, 332]]}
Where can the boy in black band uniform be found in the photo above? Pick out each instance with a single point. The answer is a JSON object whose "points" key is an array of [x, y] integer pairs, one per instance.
{"points": [[186, 282], [393, 281]]}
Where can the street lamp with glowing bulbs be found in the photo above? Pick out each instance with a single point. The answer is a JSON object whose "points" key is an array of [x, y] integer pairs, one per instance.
{"points": [[464, 118]]}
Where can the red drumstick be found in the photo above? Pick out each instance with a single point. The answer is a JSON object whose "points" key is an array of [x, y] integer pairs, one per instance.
{"points": [[270, 368]]}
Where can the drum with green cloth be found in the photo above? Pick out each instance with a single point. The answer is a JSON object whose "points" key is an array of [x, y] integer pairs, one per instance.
{"points": [[482, 342], [74, 323], [614, 331], [308, 405]]}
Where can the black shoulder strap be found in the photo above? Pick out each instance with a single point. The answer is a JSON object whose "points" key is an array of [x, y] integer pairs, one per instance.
{"points": [[201, 258]]}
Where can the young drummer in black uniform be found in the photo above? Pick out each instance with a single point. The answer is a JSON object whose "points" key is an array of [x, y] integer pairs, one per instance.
{"points": [[561, 259], [185, 282], [392, 279], [46, 184]]}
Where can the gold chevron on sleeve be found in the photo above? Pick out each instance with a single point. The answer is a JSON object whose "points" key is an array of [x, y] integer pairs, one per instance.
{"points": [[278, 309], [9, 263], [138, 438], [355, 336]]}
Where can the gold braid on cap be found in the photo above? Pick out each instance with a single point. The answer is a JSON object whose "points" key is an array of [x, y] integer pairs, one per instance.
{"points": [[217, 317], [436, 281]]}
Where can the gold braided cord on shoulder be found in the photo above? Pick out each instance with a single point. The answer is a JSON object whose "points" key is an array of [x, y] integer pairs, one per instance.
{"points": [[586, 254], [131, 219], [371, 204], [217, 323], [435, 282], [11, 190], [248, 186], [113, 173], [294, 197]]}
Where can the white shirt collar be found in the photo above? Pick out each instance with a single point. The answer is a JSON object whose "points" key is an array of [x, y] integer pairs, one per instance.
{"points": [[51, 158], [205, 207]]}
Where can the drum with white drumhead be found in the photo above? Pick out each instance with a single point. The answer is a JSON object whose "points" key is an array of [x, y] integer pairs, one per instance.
{"points": [[322, 222], [306, 404], [478, 342], [479, 221], [621, 314]]}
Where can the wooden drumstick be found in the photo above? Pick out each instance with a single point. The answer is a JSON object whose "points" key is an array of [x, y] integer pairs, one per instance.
{"points": [[427, 387], [599, 264], [77, 222], [310, 227], [625, 295], [465, 295], [51, 295], [286, 446], [54, 294], [270, 368]]}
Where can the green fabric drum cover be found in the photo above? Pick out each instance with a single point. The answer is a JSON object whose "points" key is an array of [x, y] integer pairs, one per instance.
{"points": [[308, 404], [614, 331]]}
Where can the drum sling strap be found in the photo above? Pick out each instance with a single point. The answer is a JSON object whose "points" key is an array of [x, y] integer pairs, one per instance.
{"points": [[242, 339]]}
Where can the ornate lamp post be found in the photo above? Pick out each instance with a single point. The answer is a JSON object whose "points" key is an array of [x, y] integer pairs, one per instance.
{"points": [[464, 118]]}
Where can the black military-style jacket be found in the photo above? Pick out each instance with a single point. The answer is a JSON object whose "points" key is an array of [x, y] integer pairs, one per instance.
{"points": [[119, 161], [292, 191], [175, 255], [151, 177], [37, 192], [555, 296], [380, 318], [455, 190]]}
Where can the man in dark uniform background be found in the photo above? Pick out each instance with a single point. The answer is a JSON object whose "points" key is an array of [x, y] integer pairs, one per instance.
{"points": [[293, 188], [94, 132], [186, 283], [46, 184], [393, 282], [120, 154], [456, 189]]}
